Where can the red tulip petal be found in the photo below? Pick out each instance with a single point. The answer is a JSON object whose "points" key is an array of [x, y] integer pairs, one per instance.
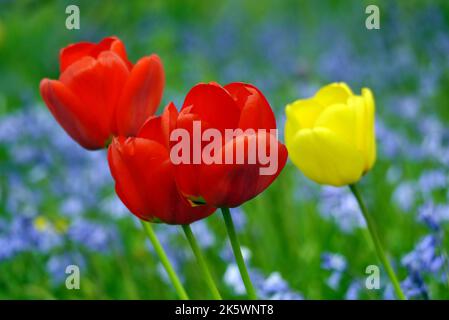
{"points": [[118, 47], [187, 173], [141, 95], [230, 185], [256, 112], [214, 105], [73, 53], [70, 114], [98, 84], [145, 182], [126, 186], [159, 128], [214, 108], [76, 51]]}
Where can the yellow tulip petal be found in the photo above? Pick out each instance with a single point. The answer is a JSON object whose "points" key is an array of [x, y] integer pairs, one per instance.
{"points": [[370, 125], [323, 157], [357, 104], [290, 131], [337, 92], [341, 119], [303, 113]]}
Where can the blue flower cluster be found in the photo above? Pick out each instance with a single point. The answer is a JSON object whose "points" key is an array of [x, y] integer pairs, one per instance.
{"points": [[43, 167], [271, 287], [337, 264]]}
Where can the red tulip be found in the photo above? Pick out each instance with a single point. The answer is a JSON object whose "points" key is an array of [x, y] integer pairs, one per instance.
{"points": [[100, 94], [144, 175], [236, 105]]}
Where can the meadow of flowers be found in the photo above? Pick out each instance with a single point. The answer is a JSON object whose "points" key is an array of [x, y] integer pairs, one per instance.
{"points": [[299, 239]]}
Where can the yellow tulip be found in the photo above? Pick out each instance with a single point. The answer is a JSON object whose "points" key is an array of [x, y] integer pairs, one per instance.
{"points": [[330, 136]]}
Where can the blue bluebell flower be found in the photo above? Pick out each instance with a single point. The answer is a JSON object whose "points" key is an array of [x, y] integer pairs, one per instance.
{"points": [[337, 264], [433, 215], [203, 234], [339, 205], [239, 218], [114, 207], [414, 286], [94, 236], [433, 179], [394, 174], [333, 261], [273, 287], [405, 195], [353, 291], [72, 206], [233, 279], [425, 257]]}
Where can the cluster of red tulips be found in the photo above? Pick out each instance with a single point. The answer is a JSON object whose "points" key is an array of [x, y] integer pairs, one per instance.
{"points": [[103, 100]]}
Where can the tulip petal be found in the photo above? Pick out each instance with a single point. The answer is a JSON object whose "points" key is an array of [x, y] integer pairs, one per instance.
{"points": [[343, 121], [370, 127], [70, 114], [126, 186], [75, 52], [144, 182], [323, 157], [141, 95], [214, 105], [337, 92], [98, 84], [301, 114], [255, 111], [159, 128], [231, 185]]}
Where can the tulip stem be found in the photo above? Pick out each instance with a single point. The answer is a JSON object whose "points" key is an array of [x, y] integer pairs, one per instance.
{"points": [[377, 243], [201, 261], [238, 254], [164, 260]]}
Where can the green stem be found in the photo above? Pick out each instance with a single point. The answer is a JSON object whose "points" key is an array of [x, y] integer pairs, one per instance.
{"points": [[377, 243], [238, 254], [201, 261], [164, 260]]}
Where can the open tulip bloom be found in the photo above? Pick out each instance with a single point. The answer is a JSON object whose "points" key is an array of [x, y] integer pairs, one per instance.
{"points": [[178, 169], [100, 93], [240, 153], [331, 139], [145, 181]]}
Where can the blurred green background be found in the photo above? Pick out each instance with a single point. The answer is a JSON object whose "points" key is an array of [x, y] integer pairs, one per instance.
{"points": [[57, 205]]}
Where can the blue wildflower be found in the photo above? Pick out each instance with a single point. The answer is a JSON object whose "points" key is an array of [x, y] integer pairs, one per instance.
{"points": [[339, 205], [203, 234], [405, 195], [433, 215], [337, 264], [353, 291], [414, 286], [93, 236]]}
